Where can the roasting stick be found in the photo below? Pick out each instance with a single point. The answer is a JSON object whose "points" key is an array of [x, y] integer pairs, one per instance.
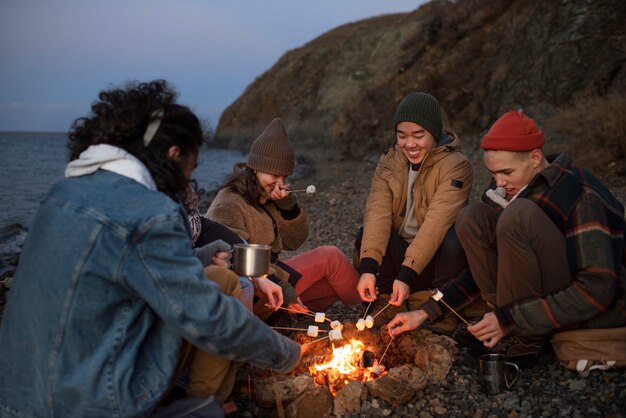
{"points": [[314, 341], [311, 313], [367, 309], [300, 329], [385, 352], [449, 307], [386, 306], [293, 310]]}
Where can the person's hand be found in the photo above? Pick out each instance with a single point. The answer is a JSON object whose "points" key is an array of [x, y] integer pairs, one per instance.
{"points": [[280, 191], [208, 253], [270, 289], [367, 287], [400, 292], [221, 259], [487, 330], [298, 307], [406, 321]]}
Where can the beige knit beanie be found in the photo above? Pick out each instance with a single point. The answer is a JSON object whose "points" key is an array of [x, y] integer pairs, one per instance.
{"points": [[271, 152]]}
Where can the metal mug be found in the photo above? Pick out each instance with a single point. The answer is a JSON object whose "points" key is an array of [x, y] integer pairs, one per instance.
{"points": [[251, 260], [495, 373]]}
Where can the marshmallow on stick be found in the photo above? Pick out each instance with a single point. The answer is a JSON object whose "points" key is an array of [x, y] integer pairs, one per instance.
{"points": [[320, 316], [334, 334], [312, 331], [369, 321], [336, 325], [360, 324], [309, 190], [437, 296]]}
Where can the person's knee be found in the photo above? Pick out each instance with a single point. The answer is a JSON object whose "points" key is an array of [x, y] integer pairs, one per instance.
{"points": [[227, 280], [469, 216], [517, 213], [451, 246]]}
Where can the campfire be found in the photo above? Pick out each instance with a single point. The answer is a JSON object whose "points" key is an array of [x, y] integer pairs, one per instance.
{"points": [[337, 375], [348, 362]]}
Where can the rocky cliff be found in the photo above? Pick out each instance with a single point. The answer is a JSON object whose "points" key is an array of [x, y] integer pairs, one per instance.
{"points": [[562, 62]]}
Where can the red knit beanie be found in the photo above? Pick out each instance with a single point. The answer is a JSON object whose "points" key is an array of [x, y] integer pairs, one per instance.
{"points": [[513, 131]]}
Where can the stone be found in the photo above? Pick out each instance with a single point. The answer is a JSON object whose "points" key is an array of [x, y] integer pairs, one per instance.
{"points": [[349, 398], [399, 385], [316, 403], [286, 388]]}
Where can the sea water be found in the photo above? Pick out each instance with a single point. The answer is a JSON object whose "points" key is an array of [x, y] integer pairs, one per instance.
{"points": [[31, 162]]}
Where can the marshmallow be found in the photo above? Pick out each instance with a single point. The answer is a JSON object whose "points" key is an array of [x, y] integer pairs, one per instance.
{"points": [[376, 369], [360, 324], [336, 325], [312, 331], [310, 189], [369, 321], [319, 316], [437, 296], [334, 334]]}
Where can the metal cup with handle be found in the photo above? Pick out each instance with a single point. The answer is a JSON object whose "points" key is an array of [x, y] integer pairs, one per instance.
{"points": [[251, 260], [495, 373]]}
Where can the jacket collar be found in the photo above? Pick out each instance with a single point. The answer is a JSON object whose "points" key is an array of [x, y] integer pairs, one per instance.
{"points": [[559, 164]]}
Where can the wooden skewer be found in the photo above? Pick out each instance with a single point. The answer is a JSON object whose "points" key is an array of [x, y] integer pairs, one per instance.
{"points": [[299, 329], [311, 313], [314, 341], [385, 352], [453, 311], [367, 309], [294, 311], [386, 306]]}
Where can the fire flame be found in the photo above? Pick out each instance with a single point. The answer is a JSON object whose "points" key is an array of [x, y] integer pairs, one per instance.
{"points": [[344, 366]]}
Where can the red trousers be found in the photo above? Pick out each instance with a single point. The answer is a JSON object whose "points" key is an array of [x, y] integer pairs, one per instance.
{"points": [[327, 276]]}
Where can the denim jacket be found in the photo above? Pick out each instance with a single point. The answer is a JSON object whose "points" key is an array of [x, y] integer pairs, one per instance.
{"points": [[106, 288]]}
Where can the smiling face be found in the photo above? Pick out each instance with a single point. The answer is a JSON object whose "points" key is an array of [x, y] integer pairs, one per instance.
{"points": [[269, 181], [414, 141], [513, 170]]}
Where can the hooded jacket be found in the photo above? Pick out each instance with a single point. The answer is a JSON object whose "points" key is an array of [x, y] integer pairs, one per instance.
{"points": [[441, 189]]}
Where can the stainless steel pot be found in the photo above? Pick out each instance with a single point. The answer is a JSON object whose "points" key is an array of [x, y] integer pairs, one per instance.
{"points": [[251, 260]]}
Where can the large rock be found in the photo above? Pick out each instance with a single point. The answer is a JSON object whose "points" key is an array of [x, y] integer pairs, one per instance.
{"points": [[399, 385], [316, 403], [350, 398], [282, 388]]}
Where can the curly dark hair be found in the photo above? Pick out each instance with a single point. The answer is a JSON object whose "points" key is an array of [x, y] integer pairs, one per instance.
{"points": [[120, 118], [243, 181]]}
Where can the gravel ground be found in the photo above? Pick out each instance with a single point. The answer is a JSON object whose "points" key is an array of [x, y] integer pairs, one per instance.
{"points": [[541, 390]]}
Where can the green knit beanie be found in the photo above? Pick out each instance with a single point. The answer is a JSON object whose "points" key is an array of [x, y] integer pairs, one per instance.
{"points": [[423, 109], [271, 152]]}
